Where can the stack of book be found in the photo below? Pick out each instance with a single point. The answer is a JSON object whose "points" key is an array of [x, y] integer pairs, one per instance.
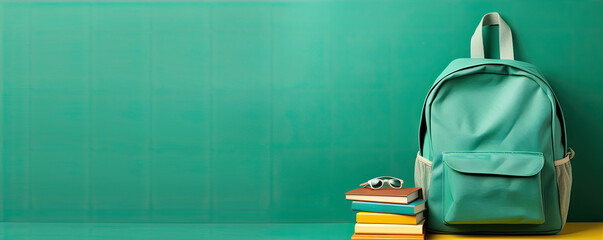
{"points": [[388, 213]]}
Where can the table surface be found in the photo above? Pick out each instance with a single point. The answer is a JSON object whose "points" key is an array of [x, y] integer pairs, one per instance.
{"points": [[132, 231]]}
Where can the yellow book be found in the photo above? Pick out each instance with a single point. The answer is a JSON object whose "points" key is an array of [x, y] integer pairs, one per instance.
{"points": [[358, 236], [390, 218], [389, 228]]}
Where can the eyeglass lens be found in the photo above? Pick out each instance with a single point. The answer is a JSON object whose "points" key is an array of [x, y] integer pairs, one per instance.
{"points": [[376, 183]]}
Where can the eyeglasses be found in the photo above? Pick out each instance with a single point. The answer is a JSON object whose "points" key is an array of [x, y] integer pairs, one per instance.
{"points": [[378, 182]]}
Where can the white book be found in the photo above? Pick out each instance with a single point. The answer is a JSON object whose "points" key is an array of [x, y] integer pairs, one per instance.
{"points": [[390, 228]]}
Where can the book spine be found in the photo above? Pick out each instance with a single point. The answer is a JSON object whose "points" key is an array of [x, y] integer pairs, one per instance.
{"points": [[389, 218], [388, 237], [368, 207], [388, 228]]}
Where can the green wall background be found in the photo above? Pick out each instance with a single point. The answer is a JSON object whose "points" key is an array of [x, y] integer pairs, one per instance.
{"points": [[251, 111]]}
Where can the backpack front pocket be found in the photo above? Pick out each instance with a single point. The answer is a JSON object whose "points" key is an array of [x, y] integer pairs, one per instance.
{"points": [[493, 188]]}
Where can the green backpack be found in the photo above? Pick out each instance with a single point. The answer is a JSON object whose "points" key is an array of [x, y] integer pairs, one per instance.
{"points": [[493, 153]]}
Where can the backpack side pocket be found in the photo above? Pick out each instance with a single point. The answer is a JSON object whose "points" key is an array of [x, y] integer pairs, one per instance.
{"points": [[563, 169], [423, 174]]}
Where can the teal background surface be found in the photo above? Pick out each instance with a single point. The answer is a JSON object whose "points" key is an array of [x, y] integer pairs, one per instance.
{"points": [[253, 112]]}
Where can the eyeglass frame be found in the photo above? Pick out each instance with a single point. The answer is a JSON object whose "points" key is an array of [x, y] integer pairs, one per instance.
{"points": [[368, 183]]}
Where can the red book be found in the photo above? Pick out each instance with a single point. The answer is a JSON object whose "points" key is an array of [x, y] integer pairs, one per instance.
{"points": [[358, 236], [384, 194]]}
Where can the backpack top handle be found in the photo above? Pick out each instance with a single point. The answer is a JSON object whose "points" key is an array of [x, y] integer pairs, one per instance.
{"points": [[504, 35]]}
